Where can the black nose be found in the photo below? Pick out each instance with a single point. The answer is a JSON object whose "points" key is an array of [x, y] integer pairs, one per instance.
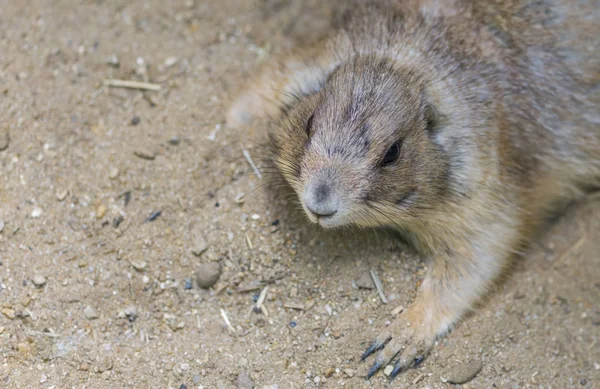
{"points": [[320, 199]]}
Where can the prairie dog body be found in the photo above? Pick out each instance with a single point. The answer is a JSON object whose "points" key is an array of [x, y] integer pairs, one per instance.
{"points": [[461, 123]]}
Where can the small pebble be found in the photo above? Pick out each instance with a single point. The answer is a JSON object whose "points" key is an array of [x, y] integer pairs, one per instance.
{"points": [[365, 281], [100, 211], [90, 313], [185, 366], [244, 381], [135, 120], [61, 194], [255, 216], [37, 212], [388, 370], [293, 324], [113, 173], [174, 141], [1, 225], [208, 274], [182, 386], [349, 372], [329, 372], [146, 154], [43, 379], [188, 284], [200, 244], [131, 313], [171, 61], [4, 140], [139, 265], [39, 280], [113, 61], [239, 198], [465, 372], [9, 313]]}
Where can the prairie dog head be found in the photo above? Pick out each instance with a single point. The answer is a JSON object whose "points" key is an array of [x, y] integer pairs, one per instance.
{"points": [[360, 150]]}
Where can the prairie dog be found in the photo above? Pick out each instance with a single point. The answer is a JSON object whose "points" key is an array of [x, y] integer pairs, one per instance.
{"points": [[460, 123]]}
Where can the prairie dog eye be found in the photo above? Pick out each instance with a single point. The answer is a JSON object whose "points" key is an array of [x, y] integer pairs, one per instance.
{"points": [[309, 123], [392, 154]]}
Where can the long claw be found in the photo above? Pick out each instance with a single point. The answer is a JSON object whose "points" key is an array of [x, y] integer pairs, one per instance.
{"points": [[375, 346], [374, 369], [397, 369]]}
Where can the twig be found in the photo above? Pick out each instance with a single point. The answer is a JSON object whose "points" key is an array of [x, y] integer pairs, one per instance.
{"points": [[572, 249], [414, 382], [132, 85], [264, 310], [227, 322], [249, 288], [249, 242], [298, 306], [40, 333], [396, 311], [378, 285], [251, 163], [262, 297]]}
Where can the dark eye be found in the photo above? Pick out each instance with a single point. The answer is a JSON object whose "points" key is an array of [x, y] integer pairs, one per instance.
{"points": [[392, 154], [309, 123]]}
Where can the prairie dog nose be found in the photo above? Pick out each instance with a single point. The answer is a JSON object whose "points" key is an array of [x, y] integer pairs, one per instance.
{"points": [[320, 199]]}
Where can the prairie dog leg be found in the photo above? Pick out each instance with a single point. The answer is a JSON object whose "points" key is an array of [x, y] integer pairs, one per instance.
{"points": [[452, 286], [300, 72]]}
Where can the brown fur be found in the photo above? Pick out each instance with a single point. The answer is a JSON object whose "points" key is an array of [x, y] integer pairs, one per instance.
{"points": [[497, 107]]}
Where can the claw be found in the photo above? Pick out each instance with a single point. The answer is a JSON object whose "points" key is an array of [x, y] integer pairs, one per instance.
{"points": [[374, 369], [375, 346], [418, 360], [397, 369]]}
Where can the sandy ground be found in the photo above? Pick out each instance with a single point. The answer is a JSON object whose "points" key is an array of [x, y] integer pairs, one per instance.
{"points": [[94, 294]]}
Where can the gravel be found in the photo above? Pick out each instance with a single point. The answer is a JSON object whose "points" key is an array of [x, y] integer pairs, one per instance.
{"points": [[244, 381], [208, 274], [113, 173], [131, 313], [145, 153], [464, 372], [39, 280], [200, 244], [90, 313], [365, 281], [139, 265], [36, 212]]}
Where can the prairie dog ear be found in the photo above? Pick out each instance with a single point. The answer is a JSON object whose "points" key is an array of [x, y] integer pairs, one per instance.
{"points": [[282, 80], [431, 117], [430, 111]]}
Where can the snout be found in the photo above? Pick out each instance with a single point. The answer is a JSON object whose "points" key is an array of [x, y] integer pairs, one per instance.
{"points": [[320, 200]]}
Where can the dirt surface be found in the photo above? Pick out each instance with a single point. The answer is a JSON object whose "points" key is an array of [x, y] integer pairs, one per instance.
{"points": [[107, 196]]}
